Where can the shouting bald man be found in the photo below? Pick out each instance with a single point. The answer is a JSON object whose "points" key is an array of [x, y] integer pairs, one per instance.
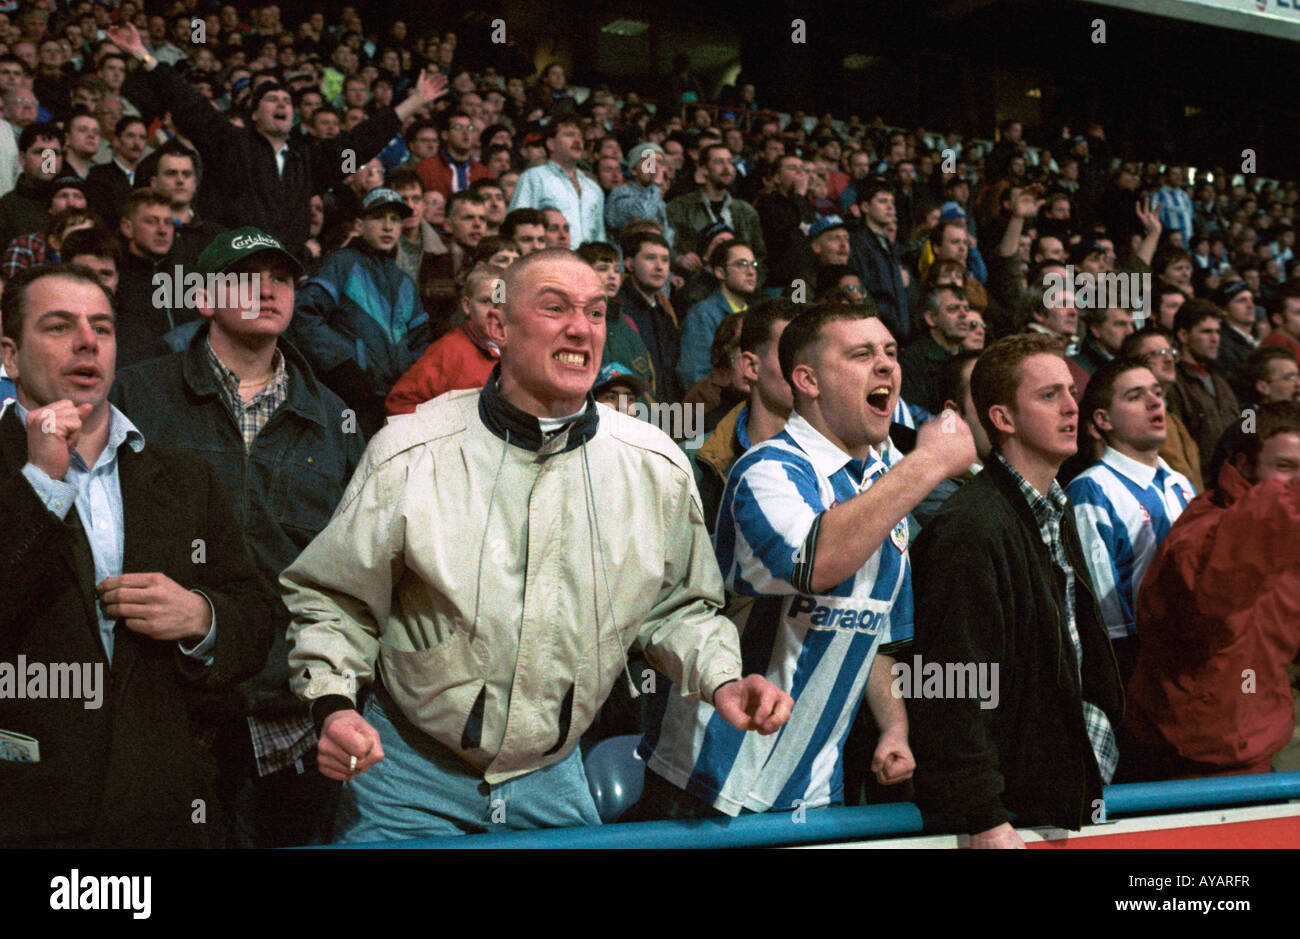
{"points": [[467, 579]]}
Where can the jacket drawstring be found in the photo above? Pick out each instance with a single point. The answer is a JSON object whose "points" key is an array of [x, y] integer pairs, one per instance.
{"points": [[609, 594], [478, 585]]}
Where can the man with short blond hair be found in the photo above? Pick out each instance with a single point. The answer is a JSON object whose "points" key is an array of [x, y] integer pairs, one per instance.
{"points": [[451, 741]]}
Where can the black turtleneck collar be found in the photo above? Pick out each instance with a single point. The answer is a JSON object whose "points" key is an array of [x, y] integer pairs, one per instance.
{"points": [[502, 417]]}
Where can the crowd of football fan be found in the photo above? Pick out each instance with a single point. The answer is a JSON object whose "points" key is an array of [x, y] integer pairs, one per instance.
{"points": [[382, 185]]}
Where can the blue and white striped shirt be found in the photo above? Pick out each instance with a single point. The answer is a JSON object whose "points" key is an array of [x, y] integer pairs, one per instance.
{"points": [[1123, 510], [817, 647]]}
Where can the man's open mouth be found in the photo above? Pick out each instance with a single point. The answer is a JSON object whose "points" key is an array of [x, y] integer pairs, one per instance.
{"points": [[575, 359], [878, 400]]}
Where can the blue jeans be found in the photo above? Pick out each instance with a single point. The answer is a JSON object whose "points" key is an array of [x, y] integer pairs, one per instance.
{"points": [[421, 789]]}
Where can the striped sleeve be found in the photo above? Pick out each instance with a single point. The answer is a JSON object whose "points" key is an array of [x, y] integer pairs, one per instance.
{"points": [[1102, 545], [776, 509]]}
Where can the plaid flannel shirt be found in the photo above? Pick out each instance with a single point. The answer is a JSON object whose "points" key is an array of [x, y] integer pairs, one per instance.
{"points": [[1048, 511], [277, 742], [26, 251]]}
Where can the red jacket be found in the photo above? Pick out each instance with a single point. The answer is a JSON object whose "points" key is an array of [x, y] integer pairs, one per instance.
{"points": [[1222, 596], [435, 172], [451, 363]]}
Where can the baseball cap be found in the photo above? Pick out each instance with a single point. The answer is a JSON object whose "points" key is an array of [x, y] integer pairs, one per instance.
{"points": [[951, 210], [823, 225], [616, 373], [382, 198], [231, 247]]}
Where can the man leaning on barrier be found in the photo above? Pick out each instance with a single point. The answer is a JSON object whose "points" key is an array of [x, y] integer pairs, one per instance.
{"points": [[494, 557]]}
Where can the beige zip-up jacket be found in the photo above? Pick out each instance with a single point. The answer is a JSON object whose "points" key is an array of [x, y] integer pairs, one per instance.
{"points": [[467, 574]]}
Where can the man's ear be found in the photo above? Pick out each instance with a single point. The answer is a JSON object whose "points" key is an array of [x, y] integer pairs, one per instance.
{"points": [[1002, 419], [495, 326], [1100, 420], [804, 381], [749, 366], [124, 228], [9, 354], [206, 310]]}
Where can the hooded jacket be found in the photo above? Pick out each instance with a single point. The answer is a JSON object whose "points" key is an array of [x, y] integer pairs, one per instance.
{"points": [[493, 581], [1222, 596]]}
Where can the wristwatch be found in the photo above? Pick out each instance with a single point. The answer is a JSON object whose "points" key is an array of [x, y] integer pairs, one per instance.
{"points": [[147, 59]]}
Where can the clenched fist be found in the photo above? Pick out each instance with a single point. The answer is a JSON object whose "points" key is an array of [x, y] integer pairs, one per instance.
{"points": [[948, 441], [52, 434]]}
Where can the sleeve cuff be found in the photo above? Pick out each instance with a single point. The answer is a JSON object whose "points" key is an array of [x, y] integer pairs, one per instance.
{"points": [[56, 495], [204, 651], [990, 814], [717, 676], [323, 707]]}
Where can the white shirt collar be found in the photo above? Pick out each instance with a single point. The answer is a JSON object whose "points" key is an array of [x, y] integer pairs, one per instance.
{"points": [[1140, 473], [827, 458]]}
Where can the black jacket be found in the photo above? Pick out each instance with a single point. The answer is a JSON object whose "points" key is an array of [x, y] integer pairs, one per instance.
{"points": [[881, 272], [282, 492], [922, 362], [239, 163], [106, 190], [24, 210], [987, 590], [125, 774], [146, 312]]}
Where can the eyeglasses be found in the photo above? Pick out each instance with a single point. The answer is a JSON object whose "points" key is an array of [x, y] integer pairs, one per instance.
{"points": [[743, 264], [853, 288], [1172, 353], [461, 127]]}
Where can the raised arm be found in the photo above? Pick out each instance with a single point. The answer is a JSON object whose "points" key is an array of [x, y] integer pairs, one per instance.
{"points": [[192, 113], [847, 535]]}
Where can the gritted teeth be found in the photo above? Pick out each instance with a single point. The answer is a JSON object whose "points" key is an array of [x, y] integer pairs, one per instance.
{"points": [[571, 358]]}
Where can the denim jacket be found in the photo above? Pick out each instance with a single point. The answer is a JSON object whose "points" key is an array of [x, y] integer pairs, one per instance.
{"points": [[283, 490]]}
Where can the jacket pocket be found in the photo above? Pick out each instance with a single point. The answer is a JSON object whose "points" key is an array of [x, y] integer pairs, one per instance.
{"points": [[436, 688], [307, 489]]}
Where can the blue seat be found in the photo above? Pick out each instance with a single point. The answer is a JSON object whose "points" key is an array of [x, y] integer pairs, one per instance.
{"points": [[615, 774]]}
